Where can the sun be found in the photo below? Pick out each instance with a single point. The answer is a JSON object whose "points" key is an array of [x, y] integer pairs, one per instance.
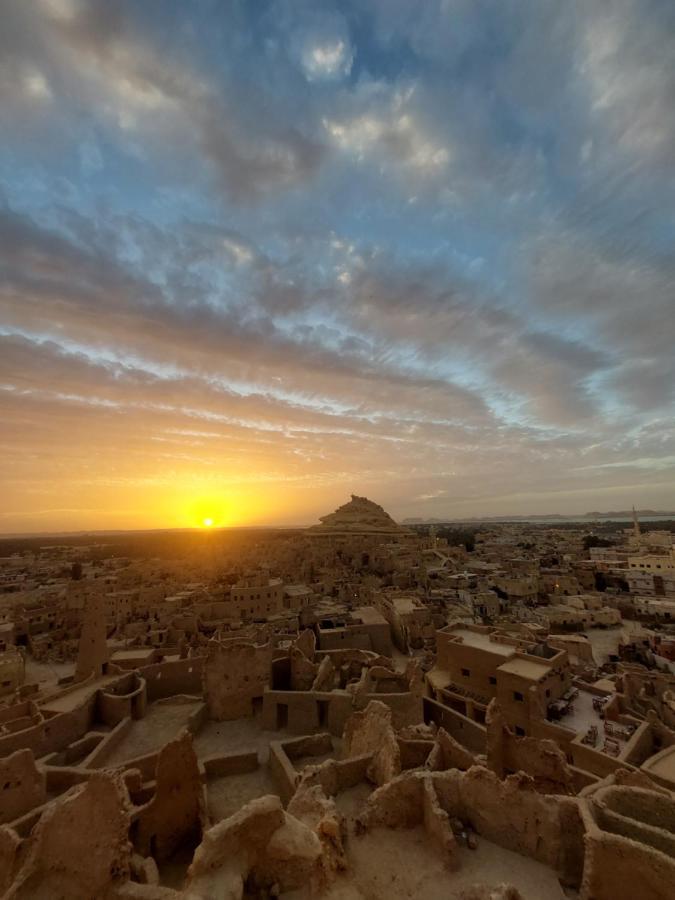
{"points": [[207, 522]]}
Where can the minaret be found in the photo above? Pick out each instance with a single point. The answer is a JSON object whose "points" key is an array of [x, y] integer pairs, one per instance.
{"points": [[92, 654], [636, 525]]}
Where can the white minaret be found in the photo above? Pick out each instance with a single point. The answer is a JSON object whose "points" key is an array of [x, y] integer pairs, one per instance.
{"points": [[636, 525]]}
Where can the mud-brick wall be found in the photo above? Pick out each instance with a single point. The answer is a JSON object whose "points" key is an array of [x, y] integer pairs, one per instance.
{"points": [[620, 869], [304, 712], [180, 676], [22, 785], [128, 699], [52, 734], [470, 734], [406, 708], [235, 674]]}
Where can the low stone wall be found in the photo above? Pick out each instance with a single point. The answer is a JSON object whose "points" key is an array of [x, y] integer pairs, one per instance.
{"points": [[282, 754], [509, 813], [642, 815], [620, 868], [53, 733], [591, 760], [335, 776], [197, 719], [283, 771], [113, 739], [640, 746], [216, 766]]}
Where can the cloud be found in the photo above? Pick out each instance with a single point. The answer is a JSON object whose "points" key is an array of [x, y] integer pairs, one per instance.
{"points": [[417, 251]]}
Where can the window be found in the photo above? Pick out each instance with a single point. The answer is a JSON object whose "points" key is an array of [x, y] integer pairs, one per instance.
{"points": [[520, 731], [466, 673], [492, 679], [548, 692], [518, 696]]}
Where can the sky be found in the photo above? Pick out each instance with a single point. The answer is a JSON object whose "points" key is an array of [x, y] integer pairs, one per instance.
{"points": [[258, 256]]}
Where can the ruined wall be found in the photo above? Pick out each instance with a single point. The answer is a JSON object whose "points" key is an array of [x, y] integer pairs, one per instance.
{"points": [[234, 674], [510, 813], [260, 846], [406, 708], [53, 733], [166, 679], [370, 732], [302, 671], [449, 754], [22, 785], [303, 712], [79, 849], [176, 814], [543, 760]]}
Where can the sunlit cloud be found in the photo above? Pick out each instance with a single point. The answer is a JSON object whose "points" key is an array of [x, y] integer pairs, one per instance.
{"points": [[257, 259]]}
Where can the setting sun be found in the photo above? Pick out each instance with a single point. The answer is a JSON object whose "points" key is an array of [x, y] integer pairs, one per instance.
{"points": [[207, 523]]}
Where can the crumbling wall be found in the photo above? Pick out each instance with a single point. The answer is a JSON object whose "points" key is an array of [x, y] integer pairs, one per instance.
{"points": [[259, 846], [325, 676], [437, 825], [79, 849], [541, 759], [235, 673], [22, 785], [371, 732], [53, 733], [406, 708], [448, 753], [176, 814], [334, 775], [510, 813], [303, 671], [313, 808], [9, 850]]}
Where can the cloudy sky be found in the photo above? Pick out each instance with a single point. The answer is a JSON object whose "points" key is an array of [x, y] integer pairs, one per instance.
{"points": [[255, 256]]}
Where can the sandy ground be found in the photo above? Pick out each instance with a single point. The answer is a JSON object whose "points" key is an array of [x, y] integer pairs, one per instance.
{"points": [[46, 672], [400, 865], [227, 795], [240, 736], [606, 640], [161, 722], [73, 698]]}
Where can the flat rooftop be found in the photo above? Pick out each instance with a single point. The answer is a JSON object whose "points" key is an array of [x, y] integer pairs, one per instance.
{"points": [[534, 668], [136, 653], [483, 642], [369, 615], [406, 604]]}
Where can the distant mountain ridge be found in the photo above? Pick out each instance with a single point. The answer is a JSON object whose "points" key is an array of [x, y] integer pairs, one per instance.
{"points": [[591, 516]]}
